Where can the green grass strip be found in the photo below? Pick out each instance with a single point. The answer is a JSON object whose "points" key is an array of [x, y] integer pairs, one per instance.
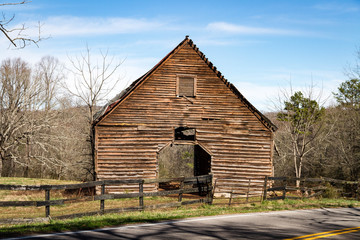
{"points": [[219, 208]]}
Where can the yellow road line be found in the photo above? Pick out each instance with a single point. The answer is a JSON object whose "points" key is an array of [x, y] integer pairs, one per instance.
{"points": [[326, 234], [333, 234]]}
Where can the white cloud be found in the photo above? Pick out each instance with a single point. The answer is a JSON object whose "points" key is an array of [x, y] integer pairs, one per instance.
{"points": [[85, 26], [246, 30], [340, 8]]}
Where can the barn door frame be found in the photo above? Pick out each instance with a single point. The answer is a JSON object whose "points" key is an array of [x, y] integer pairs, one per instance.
{"points": [[195, 143]]}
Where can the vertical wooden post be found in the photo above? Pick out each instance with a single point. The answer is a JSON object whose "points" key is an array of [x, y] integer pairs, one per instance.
{"points": [[247, 193], [213, 190], [265, 188], [285, 186], [209, 189], [230, 198], [181, 190], [102, 202], [47, 206], [358, 190], [141, 196]]}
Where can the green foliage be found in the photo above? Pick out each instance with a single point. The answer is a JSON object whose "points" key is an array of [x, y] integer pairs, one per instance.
{"points": [[190, 165], [186, 155], [330, 192], [301, 112], [348, 94]]}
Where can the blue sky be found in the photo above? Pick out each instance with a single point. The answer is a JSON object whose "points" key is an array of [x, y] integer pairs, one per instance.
{"points": [[260, 46]]}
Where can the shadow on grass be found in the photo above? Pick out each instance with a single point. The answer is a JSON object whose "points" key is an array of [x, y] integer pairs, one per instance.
{"points": [[96, 222]]}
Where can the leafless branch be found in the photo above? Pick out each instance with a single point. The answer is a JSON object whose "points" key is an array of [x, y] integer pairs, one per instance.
{"points": [[17, 35]]}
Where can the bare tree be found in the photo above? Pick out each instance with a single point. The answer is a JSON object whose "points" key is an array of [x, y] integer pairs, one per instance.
{"points": [[93, 82], [16, 96], [41, 142], [27, 115], [17, 36], [50, 73]]}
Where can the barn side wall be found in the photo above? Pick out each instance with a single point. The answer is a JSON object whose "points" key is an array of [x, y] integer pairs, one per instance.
{"points": [[128, 139]]}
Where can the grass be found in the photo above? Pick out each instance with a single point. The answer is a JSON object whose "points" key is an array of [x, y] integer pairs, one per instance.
{"points": [[33, 181], [8, 195], [219, 207], [73, 208]]}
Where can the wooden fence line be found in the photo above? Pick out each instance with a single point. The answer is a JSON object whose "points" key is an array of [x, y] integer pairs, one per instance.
{"points": [[191, 180], [323, 179], [245, 193], [318, 190], [203, 185]]}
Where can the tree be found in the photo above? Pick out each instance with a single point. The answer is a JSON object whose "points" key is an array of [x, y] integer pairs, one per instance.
{"points": [[50, 73], [93, 81], [347, 136], [348, 94], [26, 115], [17, 35], [41, 143], [17, 93], [302, 117]]}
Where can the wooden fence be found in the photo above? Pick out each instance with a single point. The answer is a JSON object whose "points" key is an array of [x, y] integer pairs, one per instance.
{"points": [[281, 187], [200, 184], [246, 191]]}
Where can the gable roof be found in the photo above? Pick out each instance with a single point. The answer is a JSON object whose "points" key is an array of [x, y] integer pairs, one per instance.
{"points": [[126, 92]]}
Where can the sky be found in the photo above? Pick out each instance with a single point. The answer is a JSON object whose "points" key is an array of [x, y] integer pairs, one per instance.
{"points": [[262, 47]]}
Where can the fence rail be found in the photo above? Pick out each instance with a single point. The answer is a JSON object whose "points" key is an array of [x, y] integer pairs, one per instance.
{"points": [[316, 187], [200, 184]]}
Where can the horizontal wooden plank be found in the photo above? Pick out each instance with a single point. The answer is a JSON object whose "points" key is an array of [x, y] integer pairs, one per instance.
{"points": [[277, 178], [277, 188]]}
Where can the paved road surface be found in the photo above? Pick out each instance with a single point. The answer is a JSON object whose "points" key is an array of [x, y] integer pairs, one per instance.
{"points": [[340, 223]]}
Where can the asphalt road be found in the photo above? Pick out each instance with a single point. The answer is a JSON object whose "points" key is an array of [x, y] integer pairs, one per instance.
{"points": [[339, 223]]}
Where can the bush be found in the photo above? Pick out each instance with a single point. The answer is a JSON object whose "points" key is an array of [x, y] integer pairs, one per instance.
{"points": [[330, 191]]}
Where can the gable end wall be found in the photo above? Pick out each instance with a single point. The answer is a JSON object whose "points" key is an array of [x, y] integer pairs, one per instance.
{"points": [[128, 139]]}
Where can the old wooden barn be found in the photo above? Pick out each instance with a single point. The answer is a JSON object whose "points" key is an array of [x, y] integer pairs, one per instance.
{"points": [[183, 118]]}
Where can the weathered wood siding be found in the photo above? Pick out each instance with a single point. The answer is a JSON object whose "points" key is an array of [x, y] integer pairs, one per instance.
{"points": [[127, 139]]}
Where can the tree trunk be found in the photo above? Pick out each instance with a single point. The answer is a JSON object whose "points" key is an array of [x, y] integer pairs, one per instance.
{"points": [[26, 170], [7, 167], [1, 159], [299, 172]]}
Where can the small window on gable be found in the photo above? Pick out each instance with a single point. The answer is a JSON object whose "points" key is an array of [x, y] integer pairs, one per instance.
{"points": [[186, 86], [185, 133]]}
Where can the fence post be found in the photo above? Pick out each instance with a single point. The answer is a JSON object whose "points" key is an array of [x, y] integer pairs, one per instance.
{"points": [[141, 194], [212, 189], [248, 190], [230, 198], [285, 186], [181, 190], [102, 202], [265, 188], [47, 206], [358, 190]]}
